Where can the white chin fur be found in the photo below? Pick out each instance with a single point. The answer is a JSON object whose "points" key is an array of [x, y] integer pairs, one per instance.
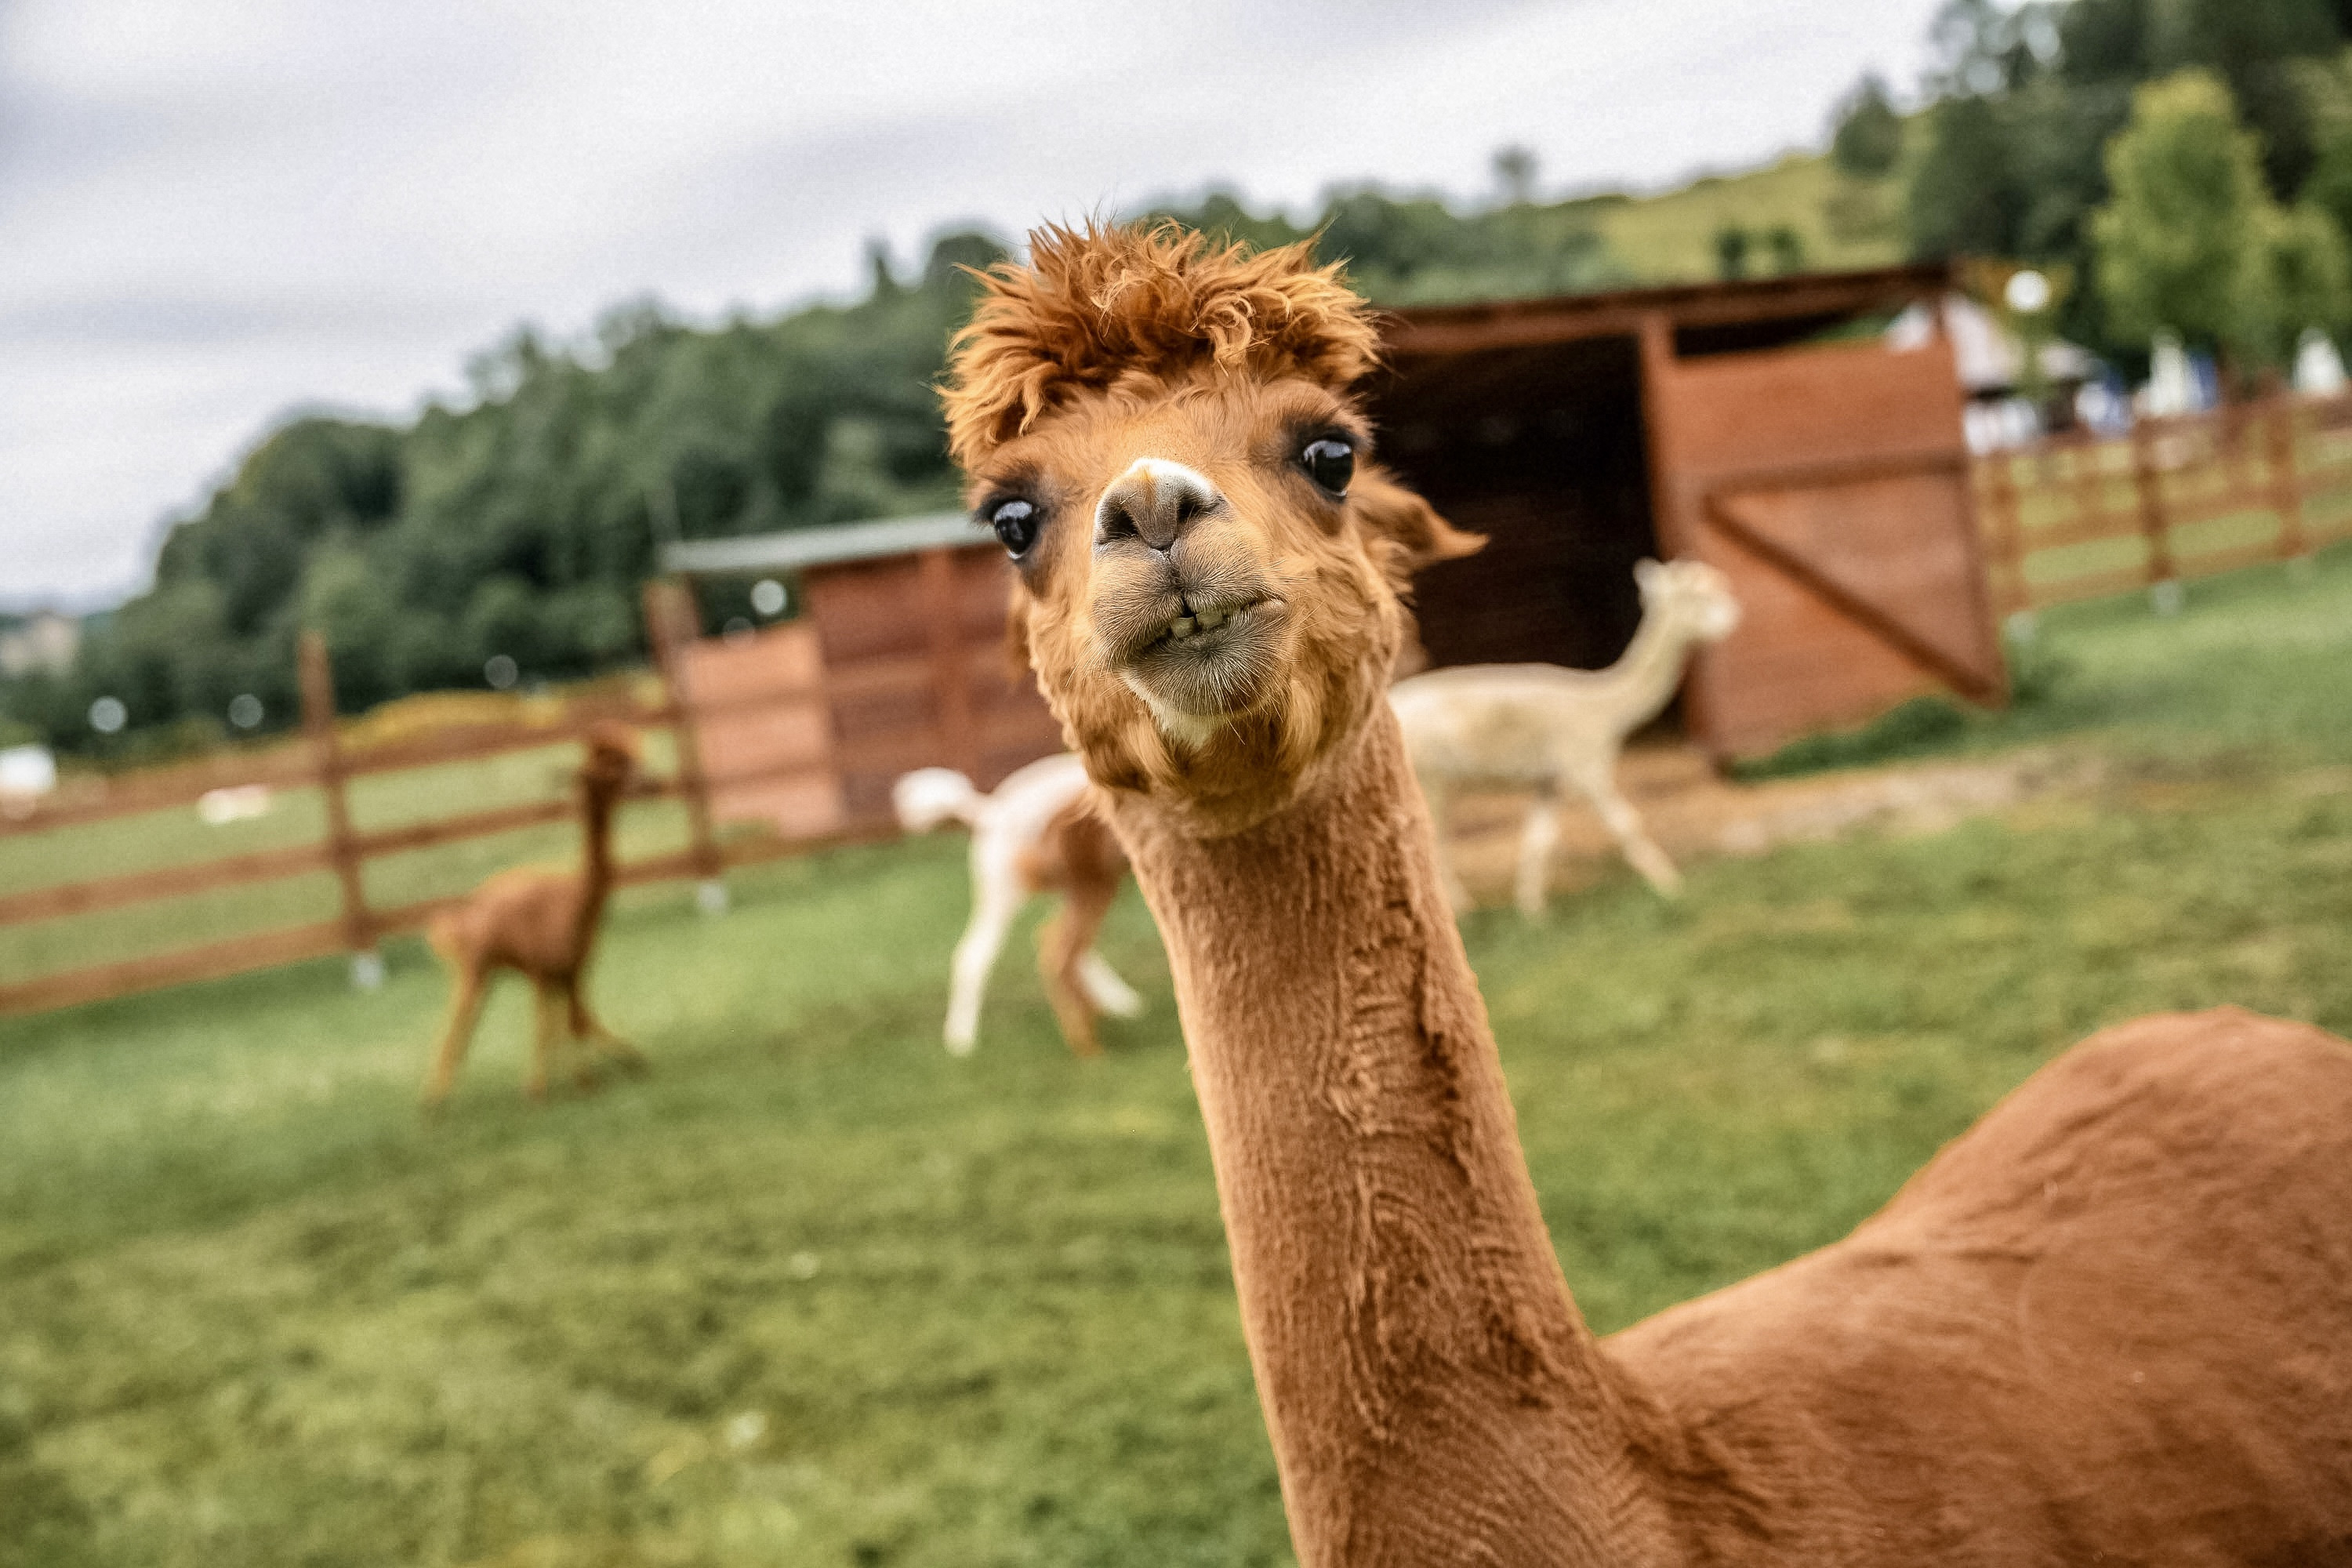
{"points": [[1193, 730]]}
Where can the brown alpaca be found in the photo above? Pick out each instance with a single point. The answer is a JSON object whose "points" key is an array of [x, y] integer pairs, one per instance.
{"points": [[2111, 1324], [541, 924]]}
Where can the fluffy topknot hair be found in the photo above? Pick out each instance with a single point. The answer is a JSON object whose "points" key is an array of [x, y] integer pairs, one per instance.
{"points": [[1095, 303]]}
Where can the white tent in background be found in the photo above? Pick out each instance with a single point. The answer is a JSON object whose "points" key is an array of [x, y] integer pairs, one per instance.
{"points": [[2172, 384], [1989, 356], [2318, 368], [1991, 361], [26, 773]]}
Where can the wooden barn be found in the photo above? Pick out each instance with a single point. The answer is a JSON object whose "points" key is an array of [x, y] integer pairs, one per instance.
{"points": [[1823, 469], [1829, 478]]}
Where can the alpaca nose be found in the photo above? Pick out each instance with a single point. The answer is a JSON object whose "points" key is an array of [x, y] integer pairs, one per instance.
{"points": [[1155, 501]]}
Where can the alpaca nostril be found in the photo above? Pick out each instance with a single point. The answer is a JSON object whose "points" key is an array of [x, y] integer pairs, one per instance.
{"points": [[1156, 502], [1113, 522]]}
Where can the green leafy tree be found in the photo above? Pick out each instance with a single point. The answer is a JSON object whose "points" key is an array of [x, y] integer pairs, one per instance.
{"points": [[2326, 89], [2027, 98], [1732, 244], [2306, 281], [1967, 196], [2252, 45], [1868, 140], [1514, 171], [2181, 244]]}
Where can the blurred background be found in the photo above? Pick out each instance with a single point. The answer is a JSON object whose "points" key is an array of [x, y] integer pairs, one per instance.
{"points": [[387, 398]]}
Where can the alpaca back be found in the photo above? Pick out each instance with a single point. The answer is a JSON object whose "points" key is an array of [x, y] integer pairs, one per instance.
{"points": [[2113, 1314], [1502, 723]]}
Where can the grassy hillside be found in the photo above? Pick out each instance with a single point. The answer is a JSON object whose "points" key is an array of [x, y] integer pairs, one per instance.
{"points": [[1840, 222]]}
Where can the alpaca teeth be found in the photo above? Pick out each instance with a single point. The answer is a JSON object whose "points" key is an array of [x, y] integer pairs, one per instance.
{"points": [[1209, 620], [1183, 626]]}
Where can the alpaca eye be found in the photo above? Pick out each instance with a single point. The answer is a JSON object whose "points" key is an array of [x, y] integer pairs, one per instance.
{"points": [[1329, 462], [1016, 522]]}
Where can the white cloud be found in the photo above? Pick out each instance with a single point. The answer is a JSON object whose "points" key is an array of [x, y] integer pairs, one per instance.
{"points": [[212, 212]]}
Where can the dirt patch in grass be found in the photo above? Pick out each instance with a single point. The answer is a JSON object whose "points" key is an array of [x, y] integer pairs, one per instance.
{"points": [[1695, 813]]}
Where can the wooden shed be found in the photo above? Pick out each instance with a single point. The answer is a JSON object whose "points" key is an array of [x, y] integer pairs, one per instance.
{"points": [[1826, 474], [903, 621]]}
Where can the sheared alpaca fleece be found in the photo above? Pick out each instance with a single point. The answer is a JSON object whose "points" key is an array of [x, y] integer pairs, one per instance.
{"points": [[2111, 1324]]}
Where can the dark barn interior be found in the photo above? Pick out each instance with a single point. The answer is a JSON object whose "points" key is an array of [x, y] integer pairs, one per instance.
{"points": [[1524, 421], [1541, 450]]}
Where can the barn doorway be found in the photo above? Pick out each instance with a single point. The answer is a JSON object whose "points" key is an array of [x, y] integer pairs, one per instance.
{"points": [[1540, 448]]}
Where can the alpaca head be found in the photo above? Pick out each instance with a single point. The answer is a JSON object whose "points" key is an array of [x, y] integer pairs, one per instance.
{"points": [[1693, 599], [1209, 568], [612, 753]]}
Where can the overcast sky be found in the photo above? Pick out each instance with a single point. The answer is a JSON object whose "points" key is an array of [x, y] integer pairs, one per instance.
{"points": [[214, 212]]}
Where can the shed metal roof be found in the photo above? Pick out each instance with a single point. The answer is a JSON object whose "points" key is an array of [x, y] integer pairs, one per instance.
{"points": [[794, 548]]}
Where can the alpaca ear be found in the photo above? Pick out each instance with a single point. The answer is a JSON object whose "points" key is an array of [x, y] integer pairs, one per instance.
{"points": [[1648, 574], [1411, 526]]}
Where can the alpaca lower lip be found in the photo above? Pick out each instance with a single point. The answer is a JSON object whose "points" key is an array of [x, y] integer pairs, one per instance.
{"points": [[1221, 669]]}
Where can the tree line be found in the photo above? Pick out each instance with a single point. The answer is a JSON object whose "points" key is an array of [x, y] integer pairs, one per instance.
{"points": [[511, 535], [2168, 164], [2177, 164]]}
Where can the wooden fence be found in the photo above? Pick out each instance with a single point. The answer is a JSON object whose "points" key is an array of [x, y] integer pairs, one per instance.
{"points": [[2079, 517], [325, 760]]}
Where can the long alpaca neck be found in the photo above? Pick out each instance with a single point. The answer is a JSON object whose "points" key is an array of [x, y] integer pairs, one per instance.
{"points": [[1432, 1393], [596, 809], [1646, 673]]}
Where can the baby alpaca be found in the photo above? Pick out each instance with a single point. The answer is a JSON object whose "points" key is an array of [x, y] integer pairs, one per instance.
{"points": [[1541, 726], [1037, 834], [542, 924]]}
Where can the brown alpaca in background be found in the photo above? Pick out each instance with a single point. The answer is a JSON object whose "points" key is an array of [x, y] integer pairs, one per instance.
{"points": [[2112, 1322], [542, 924]]}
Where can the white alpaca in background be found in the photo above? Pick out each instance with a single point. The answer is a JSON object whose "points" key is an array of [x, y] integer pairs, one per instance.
{"points": [[1542, 727], [1035, 834]]}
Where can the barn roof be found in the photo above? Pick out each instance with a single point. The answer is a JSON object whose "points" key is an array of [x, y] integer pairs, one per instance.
{"points": [[794, 548], [1743, 313]]}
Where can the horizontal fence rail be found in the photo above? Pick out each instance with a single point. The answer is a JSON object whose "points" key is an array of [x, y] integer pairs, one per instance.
{"points": [[2079, 515], [324, 761]]}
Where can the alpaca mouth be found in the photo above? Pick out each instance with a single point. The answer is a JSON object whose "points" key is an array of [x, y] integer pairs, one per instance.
{"points": [[1208, 659], [1205, 628]]}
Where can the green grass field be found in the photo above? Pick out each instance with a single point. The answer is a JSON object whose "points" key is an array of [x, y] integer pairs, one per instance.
{"points": [[818, 1293]]}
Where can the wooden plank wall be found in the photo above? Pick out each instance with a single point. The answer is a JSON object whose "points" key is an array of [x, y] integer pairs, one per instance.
{"points": [[918, 675], [766, 732], [1828, 481]]}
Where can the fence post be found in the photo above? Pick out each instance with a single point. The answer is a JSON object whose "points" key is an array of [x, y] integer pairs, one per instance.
{"points": [[2286, 484], [317, 682], [2163, 586], [669, 627], [2010, 594], [2090, 481], [951, 688]]}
